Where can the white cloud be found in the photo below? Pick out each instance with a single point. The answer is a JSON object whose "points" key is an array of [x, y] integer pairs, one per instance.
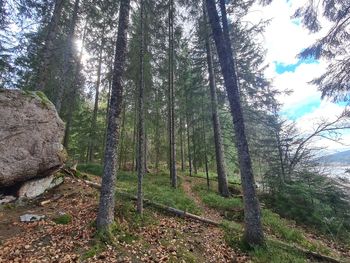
{"points": [[298, 83], [283, 40], [328, 112]]}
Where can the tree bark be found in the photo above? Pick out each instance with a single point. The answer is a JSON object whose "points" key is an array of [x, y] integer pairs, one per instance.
{"points": [[97, 96], [122, 138], [182, 146], [219, 151], [141, 116], [172, 158], [253, 228], [105, 216], [188, 138]]}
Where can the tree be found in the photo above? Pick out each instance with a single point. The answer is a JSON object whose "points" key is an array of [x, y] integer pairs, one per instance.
{"points": [[334, 46], [172, 149], [47, 53], [105, 216], [219, 153], [252, 218], [141, 123]]}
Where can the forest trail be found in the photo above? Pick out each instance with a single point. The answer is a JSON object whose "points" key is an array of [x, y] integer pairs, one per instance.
{"points": [[163, 238], [207, 212]]}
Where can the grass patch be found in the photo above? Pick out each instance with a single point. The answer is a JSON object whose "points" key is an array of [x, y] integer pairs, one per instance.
{"points": [[96, 249], [157, 189], [91, 168], [63, 219], [274, 253], [232, 208], [281, 228], [214, 177]]}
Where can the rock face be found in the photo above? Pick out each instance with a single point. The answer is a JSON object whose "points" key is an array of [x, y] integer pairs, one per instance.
{"points": [[31, 133], [36, 187]]}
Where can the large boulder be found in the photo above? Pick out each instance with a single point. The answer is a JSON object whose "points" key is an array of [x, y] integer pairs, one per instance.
{"points": [[31, 133]]}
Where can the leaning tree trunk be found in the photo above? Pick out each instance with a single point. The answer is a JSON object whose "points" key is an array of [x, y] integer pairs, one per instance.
{"points": [[219, 151], [105, 216], [141, 116], [43, 75], [252, 218]]}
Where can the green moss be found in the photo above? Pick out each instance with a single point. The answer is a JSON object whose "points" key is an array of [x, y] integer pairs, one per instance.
{"points": [[38, 95], [98, 248], [44, 100], [63, 219]]}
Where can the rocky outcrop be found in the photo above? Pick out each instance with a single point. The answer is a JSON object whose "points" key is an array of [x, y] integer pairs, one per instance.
{"points": [[31, 133], [37, 187]]}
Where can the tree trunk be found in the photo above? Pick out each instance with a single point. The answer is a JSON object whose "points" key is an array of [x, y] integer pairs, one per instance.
{"points": [[205, 149], [219, 151], [49, 46], [182, 146], [141, 116], [134, 135], [188, 139], [97, 95], [67, 58], [74, 89], [172, 158], [253, 229], [194, 159], [157, 132], [110, 80], [122, 138], [105, 216]]}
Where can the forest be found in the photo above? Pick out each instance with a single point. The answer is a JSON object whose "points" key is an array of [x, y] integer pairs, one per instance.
{"points": [[173, 132]]}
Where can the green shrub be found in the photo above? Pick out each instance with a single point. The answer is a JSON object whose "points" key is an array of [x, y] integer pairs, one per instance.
{"points": [[63, 219]]}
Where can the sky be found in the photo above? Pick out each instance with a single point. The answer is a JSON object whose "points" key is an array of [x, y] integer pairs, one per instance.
{"points": [[283, 39]]}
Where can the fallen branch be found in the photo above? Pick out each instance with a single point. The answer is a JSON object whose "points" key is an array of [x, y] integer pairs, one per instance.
{"points": [[308, 253], [55, 198], [169, 209], [182, 213]]}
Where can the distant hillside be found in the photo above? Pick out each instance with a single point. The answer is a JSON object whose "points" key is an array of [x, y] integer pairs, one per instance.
{"points": [[340, 158]]}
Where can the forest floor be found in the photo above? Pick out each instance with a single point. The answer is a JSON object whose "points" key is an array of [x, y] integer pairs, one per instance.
{"points": [[67, 232]]}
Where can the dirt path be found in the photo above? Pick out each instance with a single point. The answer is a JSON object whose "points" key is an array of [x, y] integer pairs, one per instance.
{"points": [[213, 236], [207, 212]]}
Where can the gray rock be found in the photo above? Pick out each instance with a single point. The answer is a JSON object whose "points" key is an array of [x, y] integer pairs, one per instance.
{"points": [[7, 199], [31, 133], [36, 187], [31, 218]]}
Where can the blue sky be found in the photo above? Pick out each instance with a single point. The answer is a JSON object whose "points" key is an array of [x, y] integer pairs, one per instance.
{"points": [[283, 40]]}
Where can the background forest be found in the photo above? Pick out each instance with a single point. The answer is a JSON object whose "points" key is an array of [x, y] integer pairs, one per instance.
{"points": [[66, 49]]}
